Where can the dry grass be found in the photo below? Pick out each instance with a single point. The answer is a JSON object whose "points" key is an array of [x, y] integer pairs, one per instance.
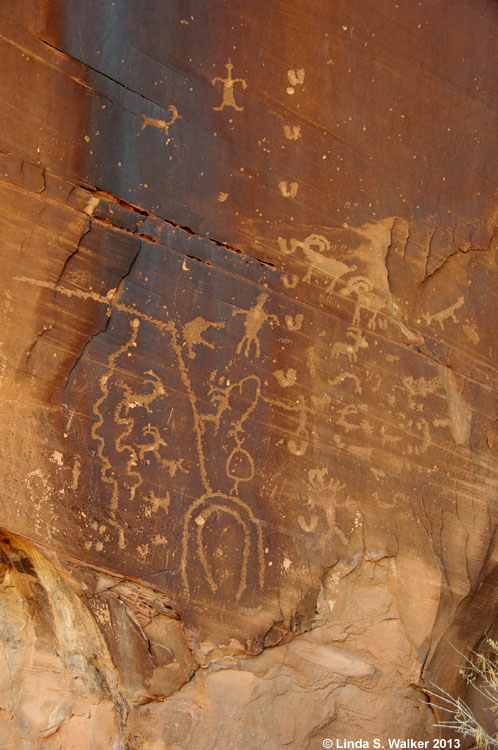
{"points": [[481, 673]]}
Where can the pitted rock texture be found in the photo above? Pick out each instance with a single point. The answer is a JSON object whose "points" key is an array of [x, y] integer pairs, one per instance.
{"points": [[247, 368]]}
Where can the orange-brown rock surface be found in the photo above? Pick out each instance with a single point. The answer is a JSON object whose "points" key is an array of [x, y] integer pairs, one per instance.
{"points": [[247, 368]]}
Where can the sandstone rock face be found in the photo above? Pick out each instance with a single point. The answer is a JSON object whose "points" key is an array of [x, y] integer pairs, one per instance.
{"points": [[247, 368]]}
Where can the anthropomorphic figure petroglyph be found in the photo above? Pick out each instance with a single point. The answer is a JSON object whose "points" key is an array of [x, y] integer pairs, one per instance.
{"points": [[255, 319], [228, 84], [360, 288]]}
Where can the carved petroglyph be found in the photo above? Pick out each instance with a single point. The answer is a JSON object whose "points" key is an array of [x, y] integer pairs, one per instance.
{"points": [[419, 388], [322, 263], [370, 288], [298, 445], [154, 447], [340, 348], [316, 477], [195, 519], [106, 470], [290, 281], [165, 125], [133, 399], [296, 78], [250, 387], [255, 319], [345, 376], [75, 470], [321, 486], [286, 379], [288, 189], [359, 288], [288, 248], [137, 403], [306, 526], [239, 467], [386, 438], [139, 441], [443, 315], [192, 333], [154, 502], [420, 425], [294, 323], [109, 300], [292, 132], [228, 89], [316, 249], [472, 333], [239, 464], [311, 361], [198, 514], [418, 429], [347, 411], [126, 406], [75, 473]]}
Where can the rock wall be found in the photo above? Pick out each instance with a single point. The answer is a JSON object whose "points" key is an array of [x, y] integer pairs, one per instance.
{"points": [[247, 368]]}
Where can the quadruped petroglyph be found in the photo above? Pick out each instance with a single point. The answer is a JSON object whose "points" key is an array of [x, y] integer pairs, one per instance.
{"points": [[448, 313], [164, 125], [356, 273]]}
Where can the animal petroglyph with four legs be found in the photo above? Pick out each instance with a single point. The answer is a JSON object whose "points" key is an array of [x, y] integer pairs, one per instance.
{"points": [[165, 125]]}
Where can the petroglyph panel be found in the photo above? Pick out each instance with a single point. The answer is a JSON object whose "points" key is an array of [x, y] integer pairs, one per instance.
{"points": [[257, 343]]}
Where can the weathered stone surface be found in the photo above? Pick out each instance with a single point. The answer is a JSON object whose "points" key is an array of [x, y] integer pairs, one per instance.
{"points": [[247, 368]]}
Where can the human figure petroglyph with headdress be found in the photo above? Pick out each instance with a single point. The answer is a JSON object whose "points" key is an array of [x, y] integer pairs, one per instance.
{"points": [[228, 85], [255, 318]]}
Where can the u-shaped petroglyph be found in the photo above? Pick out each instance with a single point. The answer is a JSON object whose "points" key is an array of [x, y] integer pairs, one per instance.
{"points": [[198, 513], [288, 189], [292, 132]]}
